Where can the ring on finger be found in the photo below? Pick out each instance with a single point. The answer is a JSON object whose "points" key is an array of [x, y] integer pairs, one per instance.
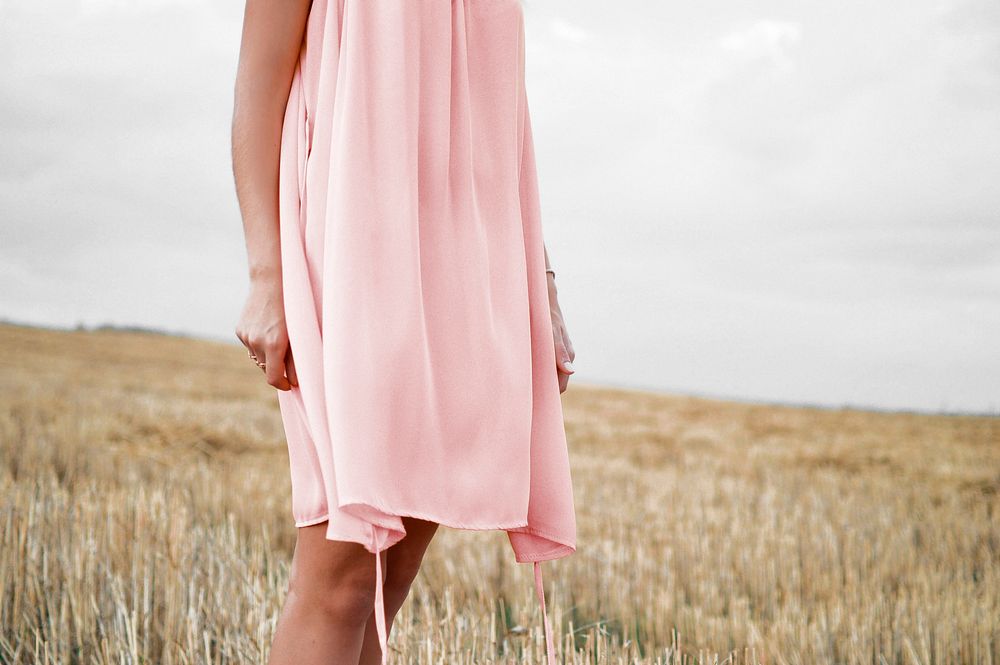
{"points": [[257, 361]]}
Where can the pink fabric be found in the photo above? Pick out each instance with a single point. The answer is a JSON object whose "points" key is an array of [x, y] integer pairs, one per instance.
{"points": [[414, 282]]}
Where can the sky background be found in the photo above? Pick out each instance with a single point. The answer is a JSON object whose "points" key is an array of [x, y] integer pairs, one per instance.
{"points": [[781, 201]]}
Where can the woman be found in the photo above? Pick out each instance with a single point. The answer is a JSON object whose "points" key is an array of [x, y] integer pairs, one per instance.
{"points": [[401, 299]]}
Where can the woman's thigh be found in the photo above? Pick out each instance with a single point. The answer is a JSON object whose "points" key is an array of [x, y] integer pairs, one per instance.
{"points": [[404, 558], [321, 564]]}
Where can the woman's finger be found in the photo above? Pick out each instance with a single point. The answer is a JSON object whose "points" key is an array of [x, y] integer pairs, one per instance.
{"points": [[563, 362], [275, 368], [255, 356], [290, 369]]}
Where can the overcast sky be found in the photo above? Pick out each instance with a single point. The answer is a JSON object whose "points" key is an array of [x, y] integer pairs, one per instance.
{"points": [[786, 201]]}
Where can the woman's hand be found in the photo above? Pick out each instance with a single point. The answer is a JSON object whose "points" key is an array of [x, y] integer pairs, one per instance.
{"points": [[564, 347], [262, 330]]}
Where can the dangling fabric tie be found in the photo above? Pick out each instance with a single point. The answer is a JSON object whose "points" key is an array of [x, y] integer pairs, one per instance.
{"points": [[550, 647], [383, 639]]}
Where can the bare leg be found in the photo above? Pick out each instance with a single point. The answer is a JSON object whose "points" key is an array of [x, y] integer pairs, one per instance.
{"points": [[402, 563], [331, 593]]}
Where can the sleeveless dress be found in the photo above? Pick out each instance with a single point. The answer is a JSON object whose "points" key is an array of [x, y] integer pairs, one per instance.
{"points": [[414, 283]]}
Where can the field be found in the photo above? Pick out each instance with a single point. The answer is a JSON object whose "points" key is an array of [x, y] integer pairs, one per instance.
{"points": [[144, 518]]}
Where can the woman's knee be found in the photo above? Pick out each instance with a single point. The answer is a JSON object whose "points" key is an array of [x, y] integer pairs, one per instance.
{"points": [[349, 597], [346, 595]]}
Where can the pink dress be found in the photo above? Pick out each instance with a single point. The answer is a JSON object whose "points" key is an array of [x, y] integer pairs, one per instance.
{"points": [[414, 283]]}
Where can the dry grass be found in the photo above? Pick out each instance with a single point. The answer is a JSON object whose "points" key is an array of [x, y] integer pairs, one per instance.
{"points": [[144, 518]]}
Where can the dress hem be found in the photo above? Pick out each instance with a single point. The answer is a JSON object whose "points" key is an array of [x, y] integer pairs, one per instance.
{"points": [[561, 550], [427, 517]]}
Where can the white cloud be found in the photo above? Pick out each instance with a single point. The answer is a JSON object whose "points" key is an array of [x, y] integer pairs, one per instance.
{"points": [[766, 40], [566, 31]]}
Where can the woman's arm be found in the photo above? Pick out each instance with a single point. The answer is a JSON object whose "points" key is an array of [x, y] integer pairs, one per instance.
{"points": [[272, 38], [565, 355]]}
